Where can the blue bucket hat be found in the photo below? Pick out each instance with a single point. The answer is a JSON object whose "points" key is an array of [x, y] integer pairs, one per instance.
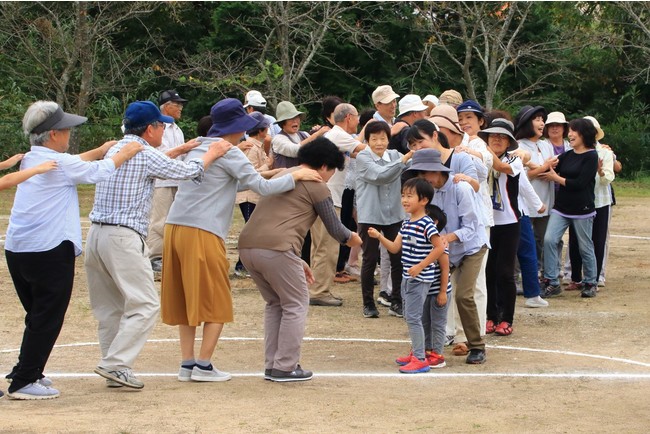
{"points": [[228, 117], [142, 113], [427, 160], [262, 121]]}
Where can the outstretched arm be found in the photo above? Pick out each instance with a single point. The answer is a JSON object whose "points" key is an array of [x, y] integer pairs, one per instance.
{"points": [[16, 178]]}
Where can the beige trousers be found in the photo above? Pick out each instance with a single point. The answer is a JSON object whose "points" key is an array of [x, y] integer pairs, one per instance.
{"points": [[324, 254], [162, 200]]}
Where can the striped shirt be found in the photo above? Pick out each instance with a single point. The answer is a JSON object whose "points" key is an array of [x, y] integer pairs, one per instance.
{"points": [[125, 198], [416, 245], [434, 289]]}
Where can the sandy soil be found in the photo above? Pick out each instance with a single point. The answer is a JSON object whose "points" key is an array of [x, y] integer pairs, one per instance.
{"points": [[543, 378]]}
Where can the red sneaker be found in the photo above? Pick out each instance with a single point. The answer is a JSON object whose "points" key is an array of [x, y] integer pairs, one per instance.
{"points": [[436, 360], [415, 366], [405, 359]]}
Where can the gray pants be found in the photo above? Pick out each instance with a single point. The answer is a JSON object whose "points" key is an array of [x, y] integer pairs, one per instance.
{"points": [[434, 321], [414, 293], [122, 293], [280, 278]]}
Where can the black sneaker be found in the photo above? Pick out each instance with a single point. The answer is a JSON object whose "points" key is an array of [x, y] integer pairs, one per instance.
{"points": [[396, 310], [297, 374], [476, 356], [550, 290], [267, 374], [370, 311], [2, 394], [383, 299], [588, 291]]}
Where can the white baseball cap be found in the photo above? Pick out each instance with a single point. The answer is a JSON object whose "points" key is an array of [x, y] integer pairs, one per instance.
{"points": [[254, 98]]}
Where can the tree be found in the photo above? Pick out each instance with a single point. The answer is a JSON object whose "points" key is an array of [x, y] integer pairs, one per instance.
{"points": [[483, 40], [66, 50]]}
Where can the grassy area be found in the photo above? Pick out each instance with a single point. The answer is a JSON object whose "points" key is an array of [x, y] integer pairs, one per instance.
{"points": [[639, 187], [86, 198]]}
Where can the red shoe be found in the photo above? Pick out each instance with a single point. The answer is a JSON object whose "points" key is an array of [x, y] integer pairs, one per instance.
{"points": [[489, 326], [436, 360], [415, 366], [503, 329], [404, 360], [341, 278], [574, 286]]}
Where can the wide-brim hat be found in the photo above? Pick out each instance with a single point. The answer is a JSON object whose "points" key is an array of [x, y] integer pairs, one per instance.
{"points": [[526, 113], [427, 160], [599, 131], [451, 97], [500, 126], [262, 121], [229, 117], [59, 120], [556, 118], [446, 116], [411, 103], [285, 111]]}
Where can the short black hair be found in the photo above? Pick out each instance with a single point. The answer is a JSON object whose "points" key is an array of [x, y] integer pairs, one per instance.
{"points": [[321, 151], [421, 186], [365, 116], [329, 104], [586, 129], [526, 131], [422, 126], [437, 215], [376, 128], [203, 126]]}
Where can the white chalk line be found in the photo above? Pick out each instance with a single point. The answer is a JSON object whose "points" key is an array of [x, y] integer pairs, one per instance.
{"points": [[433, 374], [368, 340]]}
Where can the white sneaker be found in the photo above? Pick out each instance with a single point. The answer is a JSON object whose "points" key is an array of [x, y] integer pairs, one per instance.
{"points": [[352, 271], [536, 302], [184, 374], [213, 374], [124, 377], [34, 391]]}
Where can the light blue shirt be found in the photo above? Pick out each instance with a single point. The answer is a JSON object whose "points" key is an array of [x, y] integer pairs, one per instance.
{"points": [[464, 219], [209, 206], [378, 187], [46, 207]]}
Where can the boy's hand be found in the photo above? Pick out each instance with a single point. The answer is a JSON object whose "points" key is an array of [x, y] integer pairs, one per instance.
{"points": [[45, 167], [373, 233], [441, 299], [415, 270]]}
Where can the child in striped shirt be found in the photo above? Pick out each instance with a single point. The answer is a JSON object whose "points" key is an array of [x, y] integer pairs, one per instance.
{"points": [[434, 315], [421, 246]]}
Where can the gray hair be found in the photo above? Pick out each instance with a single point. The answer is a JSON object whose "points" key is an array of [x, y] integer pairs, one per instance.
{"points": [[341, 111], [36, 115]]}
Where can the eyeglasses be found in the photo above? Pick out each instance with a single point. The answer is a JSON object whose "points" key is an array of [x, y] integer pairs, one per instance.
{"points": [[158, 124]]}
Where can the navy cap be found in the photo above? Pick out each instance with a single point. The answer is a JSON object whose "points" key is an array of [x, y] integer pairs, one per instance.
{"points": [[170, 95], [262, 121], [228, 117], [469, 106], [143, 113]]}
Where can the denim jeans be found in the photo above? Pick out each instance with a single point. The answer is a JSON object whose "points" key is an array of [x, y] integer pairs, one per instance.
{"points": [[414, 293], [527, 255], [557, 225]]}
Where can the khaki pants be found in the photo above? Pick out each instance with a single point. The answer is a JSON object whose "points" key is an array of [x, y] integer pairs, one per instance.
{"points": [[324, 253], [122, 293], [162, 200], [465, 278]]}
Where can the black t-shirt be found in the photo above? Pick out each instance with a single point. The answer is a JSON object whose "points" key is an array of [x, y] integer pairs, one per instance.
{"points": [[579, 170]]}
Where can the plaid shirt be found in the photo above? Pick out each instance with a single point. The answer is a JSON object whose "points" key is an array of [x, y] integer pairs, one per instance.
{"points": [[125, 198]]}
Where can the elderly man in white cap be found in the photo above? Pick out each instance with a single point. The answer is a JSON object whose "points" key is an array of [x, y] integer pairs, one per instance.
{"points": [[255, 102], [411, 109], [385, 101]]}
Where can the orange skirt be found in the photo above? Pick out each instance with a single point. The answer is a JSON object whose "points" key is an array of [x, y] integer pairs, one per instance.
{"points": [[195, 286]]}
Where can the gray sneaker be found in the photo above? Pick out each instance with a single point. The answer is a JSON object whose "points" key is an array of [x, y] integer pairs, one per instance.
{"points": [[45, 381], [34, 391], [113, 384], [184, 374], [212, 374], [124, 377]]}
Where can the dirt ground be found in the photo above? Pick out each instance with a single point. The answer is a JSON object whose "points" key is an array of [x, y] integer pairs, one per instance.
{"points": [[577, 366]]}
